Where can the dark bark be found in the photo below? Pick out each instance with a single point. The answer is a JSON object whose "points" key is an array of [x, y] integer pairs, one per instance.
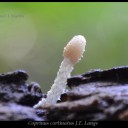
{"points": [[17, 96], [96, 95]]}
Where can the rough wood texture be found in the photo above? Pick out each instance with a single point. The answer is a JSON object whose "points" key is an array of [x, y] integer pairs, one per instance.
{"points": [[94, 96], [17, 96]]}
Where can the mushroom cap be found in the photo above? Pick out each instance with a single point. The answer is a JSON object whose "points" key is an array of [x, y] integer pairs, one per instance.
{"points": [[75, 48]]}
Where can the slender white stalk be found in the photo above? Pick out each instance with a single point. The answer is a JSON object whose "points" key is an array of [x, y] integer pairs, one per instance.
{"points": [[59, 85]]}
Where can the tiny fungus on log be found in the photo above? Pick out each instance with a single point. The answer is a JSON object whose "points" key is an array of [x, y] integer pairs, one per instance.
{"points": [[72, 54]]}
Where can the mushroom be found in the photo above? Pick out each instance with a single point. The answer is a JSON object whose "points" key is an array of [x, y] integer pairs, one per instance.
{"points": [[72, 54]]}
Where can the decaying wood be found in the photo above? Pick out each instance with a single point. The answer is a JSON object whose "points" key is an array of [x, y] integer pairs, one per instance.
{"points": [[17, 96], [95, 95]]}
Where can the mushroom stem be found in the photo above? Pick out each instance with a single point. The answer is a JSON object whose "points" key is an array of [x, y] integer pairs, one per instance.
{"points": [[60, 82], [59, 85]]}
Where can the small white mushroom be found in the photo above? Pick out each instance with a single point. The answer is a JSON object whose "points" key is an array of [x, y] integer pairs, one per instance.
{"points": [[72, 54]]}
